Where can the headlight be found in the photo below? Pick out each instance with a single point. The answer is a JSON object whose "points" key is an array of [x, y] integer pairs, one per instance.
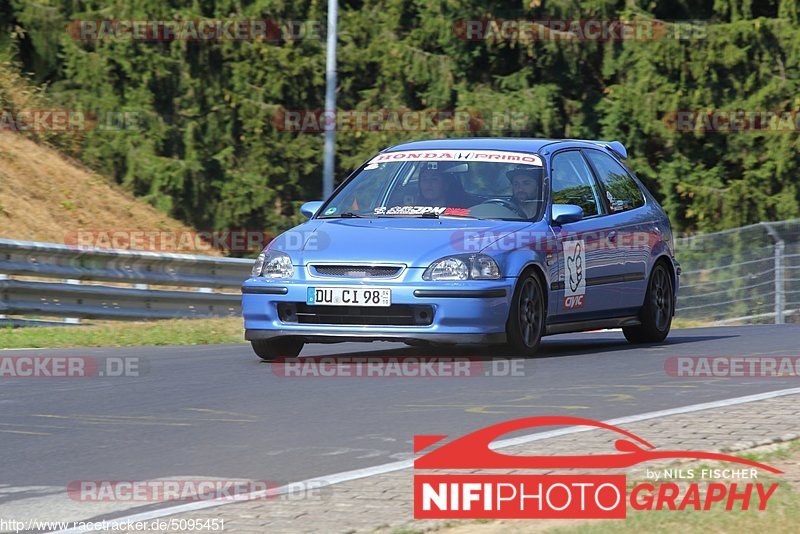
{"points": [[258, 266], [484, 268], [273, 264], [452, 268], [463, 267]]}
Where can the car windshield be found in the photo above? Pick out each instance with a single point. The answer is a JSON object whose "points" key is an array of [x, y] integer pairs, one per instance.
{"points": [[444, 183]]}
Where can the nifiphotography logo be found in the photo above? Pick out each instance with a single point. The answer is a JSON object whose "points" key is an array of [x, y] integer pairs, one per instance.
{"points": [[572, 496]]}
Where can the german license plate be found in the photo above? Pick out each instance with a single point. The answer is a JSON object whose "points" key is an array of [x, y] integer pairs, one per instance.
{"points": [[349, 296]]}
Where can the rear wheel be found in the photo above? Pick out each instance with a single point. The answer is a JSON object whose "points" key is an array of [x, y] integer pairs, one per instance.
{"points": [[656, 314], [282, 347], [525, 324]]}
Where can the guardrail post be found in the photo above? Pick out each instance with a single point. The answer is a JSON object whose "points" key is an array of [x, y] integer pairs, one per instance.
{"points": [[3, 276], [780, 296], [72, 320]]}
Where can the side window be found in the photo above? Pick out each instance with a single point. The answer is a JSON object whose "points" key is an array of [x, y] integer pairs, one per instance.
{"points": [[622, 192], [573, 183]]}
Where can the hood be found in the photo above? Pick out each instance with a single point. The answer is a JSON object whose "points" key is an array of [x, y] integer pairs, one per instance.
{"points": [[412, 241]]}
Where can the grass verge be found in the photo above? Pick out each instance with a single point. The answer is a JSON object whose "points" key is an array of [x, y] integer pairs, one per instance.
{"points": [[129, 334], [677, 322], [119, 334]]}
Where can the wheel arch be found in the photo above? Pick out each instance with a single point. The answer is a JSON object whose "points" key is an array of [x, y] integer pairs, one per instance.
{"points": [[665, 260], [540, 274]]}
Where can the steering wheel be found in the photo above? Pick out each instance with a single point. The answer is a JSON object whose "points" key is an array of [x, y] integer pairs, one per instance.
{"points": [[508, 204]]}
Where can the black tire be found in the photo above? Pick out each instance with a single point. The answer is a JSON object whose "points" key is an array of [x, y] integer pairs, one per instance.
{"points": [[282, 347], [526, 319], [656, 314]]}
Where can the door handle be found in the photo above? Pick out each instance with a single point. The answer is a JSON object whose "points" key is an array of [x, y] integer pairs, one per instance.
{"points": [[612, 236]]}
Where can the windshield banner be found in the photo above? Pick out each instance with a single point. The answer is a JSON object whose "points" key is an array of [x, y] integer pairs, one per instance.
{"points": [[494, 156]]}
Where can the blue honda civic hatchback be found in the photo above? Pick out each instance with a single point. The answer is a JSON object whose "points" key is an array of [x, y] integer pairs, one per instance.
{"points": [[487, 241]]}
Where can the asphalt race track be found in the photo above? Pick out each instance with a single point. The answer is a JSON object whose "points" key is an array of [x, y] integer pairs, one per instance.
{"points": [[217, 411]]}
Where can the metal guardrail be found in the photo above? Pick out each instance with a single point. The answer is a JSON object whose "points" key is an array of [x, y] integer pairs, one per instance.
{"points": [[28, 258], [103, 302], [141, 269], [749, 274]]}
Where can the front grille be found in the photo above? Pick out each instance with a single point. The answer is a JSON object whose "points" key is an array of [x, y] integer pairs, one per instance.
{"points": [[394, 315], [357, 271]]}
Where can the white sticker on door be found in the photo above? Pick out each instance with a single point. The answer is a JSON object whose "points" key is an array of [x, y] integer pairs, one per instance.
{"points": [[574, 277]]}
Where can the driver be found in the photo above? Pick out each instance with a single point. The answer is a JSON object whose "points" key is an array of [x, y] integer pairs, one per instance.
{"points": [[526, 187], [440, 188], [432, 187]]}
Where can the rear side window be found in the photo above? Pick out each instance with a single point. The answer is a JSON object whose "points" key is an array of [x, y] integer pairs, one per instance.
{"points": [[622, 192], [573, 183]]}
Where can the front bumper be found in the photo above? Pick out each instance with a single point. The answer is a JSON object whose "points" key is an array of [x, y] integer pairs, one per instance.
{"points": [[463, 312], [340, 337]]}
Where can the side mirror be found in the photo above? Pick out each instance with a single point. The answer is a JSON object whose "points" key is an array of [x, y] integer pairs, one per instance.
{"points": [[310, 208], [566, 213]]}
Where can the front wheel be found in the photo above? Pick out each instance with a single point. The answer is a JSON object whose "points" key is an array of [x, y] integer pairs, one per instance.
{"points": [[282, 347], [525, 324], [656, 314]]}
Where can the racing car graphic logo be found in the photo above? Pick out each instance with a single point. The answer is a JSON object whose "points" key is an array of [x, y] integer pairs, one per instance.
{"points": [[440, 495], [474, 451], [575, 287]]}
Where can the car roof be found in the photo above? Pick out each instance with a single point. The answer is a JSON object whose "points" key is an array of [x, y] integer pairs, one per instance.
{"points": [[513, 144], [475, 143]]}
